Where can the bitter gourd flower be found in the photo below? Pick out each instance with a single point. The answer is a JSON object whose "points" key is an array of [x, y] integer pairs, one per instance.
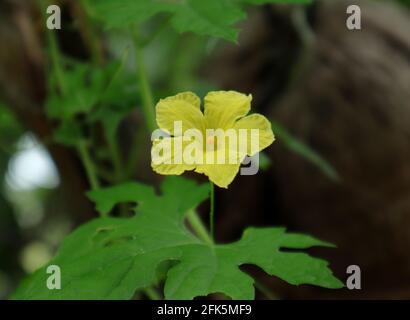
{"points": [[214, 142]]}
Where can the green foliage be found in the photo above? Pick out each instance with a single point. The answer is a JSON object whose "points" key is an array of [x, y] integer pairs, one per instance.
{"points": [[10, 132], [211, 17], [99, 94], [405, 2], [10, 129], [305, 151], [111, 258], [83, 86], [69, 133]]}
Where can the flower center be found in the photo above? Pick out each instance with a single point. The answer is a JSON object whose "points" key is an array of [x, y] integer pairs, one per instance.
{"points": [[210, 140]]}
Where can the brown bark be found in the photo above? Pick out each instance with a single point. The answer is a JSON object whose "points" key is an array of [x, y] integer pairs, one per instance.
{"points": [[23, 89], [350, 102]]}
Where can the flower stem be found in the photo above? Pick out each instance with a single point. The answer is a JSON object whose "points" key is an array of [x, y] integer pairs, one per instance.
{"points": [[198, 226], [201, 231], [211, 210], [152, 294]]}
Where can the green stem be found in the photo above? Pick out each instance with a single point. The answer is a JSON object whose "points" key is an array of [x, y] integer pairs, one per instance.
{"points": [[198, 226], [89, 33], [211, 210], [135, 151], [163, 25], [106, 174], [115, 158], [56, 61], [88, 164], [307, 38], [144, 87], [54, 51], [152, 294], [147, 102], [201, 231]]}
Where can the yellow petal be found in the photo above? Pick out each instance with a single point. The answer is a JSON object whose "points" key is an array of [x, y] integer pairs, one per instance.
{"points": [[167, 156], [224, 108], [184, 107], [190, 97], [259, 141], [220, 174]]}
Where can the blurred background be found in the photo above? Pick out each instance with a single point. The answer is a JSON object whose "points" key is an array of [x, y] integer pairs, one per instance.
{"points": [[339, 102]]}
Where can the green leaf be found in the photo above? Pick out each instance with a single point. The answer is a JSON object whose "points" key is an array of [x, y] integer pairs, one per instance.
{"points": [[117, 101], [211, 17], [10, 129], [405, 2], [88, 87], [111, 258], [305, 151], [68, 133], [83, 85], [99, 94], [259, 2]]}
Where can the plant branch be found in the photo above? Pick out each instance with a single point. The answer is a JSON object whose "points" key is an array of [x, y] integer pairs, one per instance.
{"points": [[212, 209], [88, 164], [152, 294], [54, 52], [145, 89], [88, 32], [201, 231], [199, 228]]}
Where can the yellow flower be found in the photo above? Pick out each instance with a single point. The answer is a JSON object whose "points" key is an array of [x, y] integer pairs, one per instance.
{"points": [[215, 154]]}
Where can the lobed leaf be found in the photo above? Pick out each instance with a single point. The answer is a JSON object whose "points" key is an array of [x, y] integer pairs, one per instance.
{"points": [[211, 17], [111, 258], [97, 93]]}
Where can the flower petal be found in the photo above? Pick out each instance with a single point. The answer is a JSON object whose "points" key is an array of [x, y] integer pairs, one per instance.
{"points": [[184, 107], [224, 108], [265, 135], [167, 156], [220, 174]]}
